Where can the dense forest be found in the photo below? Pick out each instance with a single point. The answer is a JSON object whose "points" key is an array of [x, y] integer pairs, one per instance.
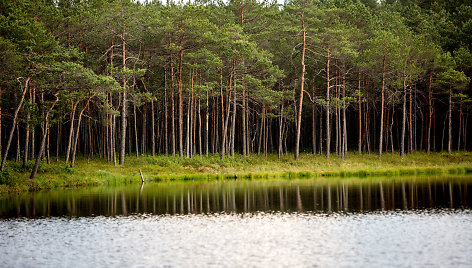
{"points": [[104, 78]]}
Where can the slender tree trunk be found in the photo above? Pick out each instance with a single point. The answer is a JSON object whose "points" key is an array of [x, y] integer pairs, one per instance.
{"points": [[71, 130], [233, 125], [243, 117], [124, 104], [76, 137], [166, 124], [430, 112], [199, 130], [359, 143], [15, 117], [172, 106], [328, 132], [43, 141], [344, 138], [32, 130], [207, 122], [410, 122], [382, 108], [28, 119], [449, 141], [402, 141], [281, 129], [181, 112], [153, 131], [313, 121], [302, 83], [225, 123], [136, 143]]}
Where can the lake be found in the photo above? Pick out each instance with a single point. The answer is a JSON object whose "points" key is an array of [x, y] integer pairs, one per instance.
{"points": [[423, 221]]}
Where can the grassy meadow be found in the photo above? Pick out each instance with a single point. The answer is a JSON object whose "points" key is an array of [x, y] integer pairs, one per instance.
{"points": [[98, 172]]}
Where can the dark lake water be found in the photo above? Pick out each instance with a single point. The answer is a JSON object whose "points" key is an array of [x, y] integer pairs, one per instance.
{"points": [[300, 222]]}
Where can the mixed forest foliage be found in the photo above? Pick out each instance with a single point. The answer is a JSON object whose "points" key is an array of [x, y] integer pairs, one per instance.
{"points": [[104, 78]]}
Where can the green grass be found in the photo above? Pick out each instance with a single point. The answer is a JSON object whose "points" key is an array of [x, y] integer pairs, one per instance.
{"points": [[98, 172]]}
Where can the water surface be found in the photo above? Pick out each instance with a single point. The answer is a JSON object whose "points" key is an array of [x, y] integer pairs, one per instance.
{"points": [[306, 222]]}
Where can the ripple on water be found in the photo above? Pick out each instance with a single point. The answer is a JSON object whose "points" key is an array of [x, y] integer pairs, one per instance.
{"points": [[399, 238]]}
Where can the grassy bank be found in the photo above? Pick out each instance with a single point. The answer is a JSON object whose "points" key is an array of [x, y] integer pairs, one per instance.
{"points": [[98, 172]]}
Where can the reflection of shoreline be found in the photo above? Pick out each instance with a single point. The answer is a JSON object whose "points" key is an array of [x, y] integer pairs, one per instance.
{"points": [[243, 196]]}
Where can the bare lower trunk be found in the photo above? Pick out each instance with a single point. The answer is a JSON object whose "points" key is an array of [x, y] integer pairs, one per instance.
{"points": [[153, 134], [359, 144], [382, 108], [15, 117], [402, 141], [328, 132], [449, 141], [344, 137], [135, 131], [233, 125], [74, 149], [430, 112], [43, 141], [281, 129], [225, 128]]}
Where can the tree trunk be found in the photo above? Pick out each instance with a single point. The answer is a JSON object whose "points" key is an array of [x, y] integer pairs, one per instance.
{"points": [[328, 132], [344, 138], [181, 112], [430, 112], [207, 122], [136, 143], [166, 145], [313, 121], [28, 119], [402, 141], [124, 103], [71, 131], [225, 123], [382, 108], [302, 83], [153, 131], [359, 143], [233, 125], [281, 129], [43, 141], [15, 117], [76, 137], [449, 141]]}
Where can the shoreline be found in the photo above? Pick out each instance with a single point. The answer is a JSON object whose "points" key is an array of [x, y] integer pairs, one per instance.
{"points": [[15, 179]]}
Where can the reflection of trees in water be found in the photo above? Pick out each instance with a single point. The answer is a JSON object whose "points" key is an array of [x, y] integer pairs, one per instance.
{"points": [[318, 195]]}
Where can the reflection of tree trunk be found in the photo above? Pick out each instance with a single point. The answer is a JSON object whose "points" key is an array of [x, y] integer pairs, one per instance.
{"points": [[329, 198], [361, 198], [382, 199], [299, 200], [451, 195], [123, 204]]}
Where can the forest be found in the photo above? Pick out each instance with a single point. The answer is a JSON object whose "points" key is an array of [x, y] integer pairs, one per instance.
{"points": [[114, 78]]}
